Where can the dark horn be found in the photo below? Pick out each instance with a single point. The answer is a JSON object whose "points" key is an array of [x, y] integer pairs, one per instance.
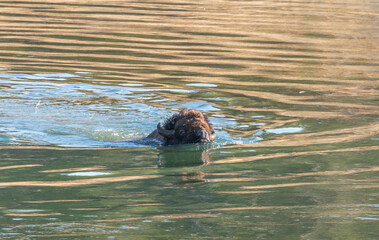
{"points": [[213, 137], [164, 132]]}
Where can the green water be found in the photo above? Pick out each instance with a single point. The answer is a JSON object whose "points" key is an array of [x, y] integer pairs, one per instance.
{"points": [[290, 87]]}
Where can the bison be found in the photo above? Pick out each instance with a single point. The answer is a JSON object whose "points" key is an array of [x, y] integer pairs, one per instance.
{"points": [[187, 126]]}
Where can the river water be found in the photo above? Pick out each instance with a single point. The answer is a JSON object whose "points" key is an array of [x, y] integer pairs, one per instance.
{"points": [[291, 88]]}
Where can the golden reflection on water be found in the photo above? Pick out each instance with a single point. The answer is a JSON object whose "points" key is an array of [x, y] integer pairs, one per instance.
{"points": [[146, 204], [20, 166], [286, 185], [294, 154], [204, 42], [74, 169], [86, 209], [255, 208], [322, 137], [273, 63], [332, 173], [76, 183], [160, 217], [199, 177], [32, 214], [242, 192], [58, 201]]}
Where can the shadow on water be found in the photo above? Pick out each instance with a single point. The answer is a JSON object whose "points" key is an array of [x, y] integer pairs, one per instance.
{"points": [[184, 156], [290, 87]]}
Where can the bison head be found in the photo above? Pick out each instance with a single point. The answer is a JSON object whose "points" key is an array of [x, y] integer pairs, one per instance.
{"points": [[189, 126]]}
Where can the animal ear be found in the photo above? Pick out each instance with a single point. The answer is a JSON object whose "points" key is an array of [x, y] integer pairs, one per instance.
{"points": [[164, 132]]}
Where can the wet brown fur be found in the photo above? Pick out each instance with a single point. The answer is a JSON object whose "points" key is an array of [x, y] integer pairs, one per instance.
{"points": [[187, 125]]}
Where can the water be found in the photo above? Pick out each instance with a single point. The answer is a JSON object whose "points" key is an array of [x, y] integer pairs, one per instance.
{"points": [[290, 87]]}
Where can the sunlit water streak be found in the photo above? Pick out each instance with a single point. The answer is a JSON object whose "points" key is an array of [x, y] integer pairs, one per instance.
{"points": [[290, 87]]}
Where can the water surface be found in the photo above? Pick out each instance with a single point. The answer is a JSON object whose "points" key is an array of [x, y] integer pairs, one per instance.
{"points": [[290, 87]]}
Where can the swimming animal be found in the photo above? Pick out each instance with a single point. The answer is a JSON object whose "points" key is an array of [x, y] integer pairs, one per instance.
{"points": [[187, 126]]}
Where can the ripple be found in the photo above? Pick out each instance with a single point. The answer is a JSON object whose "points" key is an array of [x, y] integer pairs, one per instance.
{"points": [[86, 174], [290, 87], [285, 130], [202, 85]]}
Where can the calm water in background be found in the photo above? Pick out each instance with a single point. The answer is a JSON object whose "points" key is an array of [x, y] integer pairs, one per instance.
{"points": [[291, 88]]}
